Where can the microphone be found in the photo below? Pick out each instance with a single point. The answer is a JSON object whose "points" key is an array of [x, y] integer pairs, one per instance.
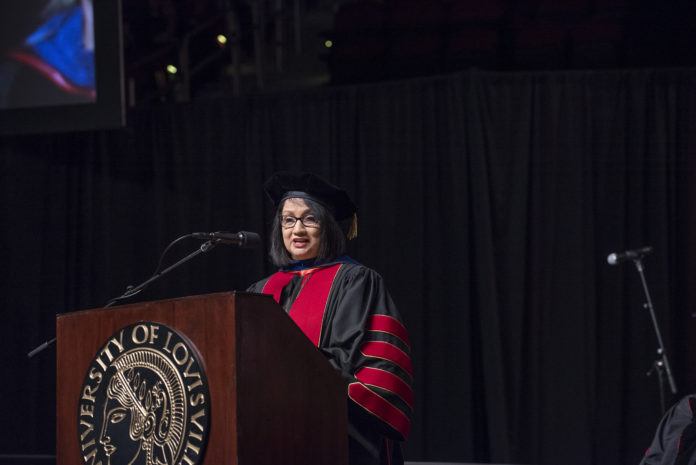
{"points": [[243, 239], [616, 258]]}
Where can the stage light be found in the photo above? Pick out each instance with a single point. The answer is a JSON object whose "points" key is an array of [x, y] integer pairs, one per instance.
{"points": [[221, 40], [171, 69], [328, 44]]}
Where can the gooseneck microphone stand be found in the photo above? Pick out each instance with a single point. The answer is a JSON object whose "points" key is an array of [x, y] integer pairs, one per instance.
{"points": [[133, 290], [661, 365]]}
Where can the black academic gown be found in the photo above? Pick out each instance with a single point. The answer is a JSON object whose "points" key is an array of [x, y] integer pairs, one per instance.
{"points": [[675, 439], [358, 327]]}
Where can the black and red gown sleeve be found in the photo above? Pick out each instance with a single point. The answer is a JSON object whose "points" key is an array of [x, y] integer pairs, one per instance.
{"points": [[368, 342]]}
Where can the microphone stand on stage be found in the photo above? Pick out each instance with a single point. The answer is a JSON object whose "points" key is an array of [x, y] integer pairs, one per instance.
{"points": [[661, 365]]}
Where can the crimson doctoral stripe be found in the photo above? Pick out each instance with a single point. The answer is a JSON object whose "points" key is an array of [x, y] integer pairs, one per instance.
{"points": [[276, 283], [310, 304], [388, 352], [386, 380], [388, 324], [308, 309], [379, 407]]}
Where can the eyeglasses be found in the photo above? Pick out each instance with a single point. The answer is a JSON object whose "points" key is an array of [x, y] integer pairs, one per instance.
{"points": [[309, 221]]}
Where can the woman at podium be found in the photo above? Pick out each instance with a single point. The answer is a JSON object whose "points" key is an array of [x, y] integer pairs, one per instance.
{"points": [[344, 308]]}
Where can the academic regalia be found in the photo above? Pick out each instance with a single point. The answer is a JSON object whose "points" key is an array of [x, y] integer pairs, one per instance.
{"points": [[345, 310], [674, 442]]}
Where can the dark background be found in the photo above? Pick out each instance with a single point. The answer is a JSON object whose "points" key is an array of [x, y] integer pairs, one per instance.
{"points": [[489, 201]]}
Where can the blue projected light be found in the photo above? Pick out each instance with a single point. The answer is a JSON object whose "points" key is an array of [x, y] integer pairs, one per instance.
{"points": [[61, 66], [52, 64], [59, 41]]}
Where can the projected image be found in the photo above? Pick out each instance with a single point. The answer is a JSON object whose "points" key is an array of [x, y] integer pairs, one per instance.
{"points": [[47, 53]]}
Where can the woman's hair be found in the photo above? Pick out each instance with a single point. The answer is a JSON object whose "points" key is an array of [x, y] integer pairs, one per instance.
{"points": [[332, 239]]}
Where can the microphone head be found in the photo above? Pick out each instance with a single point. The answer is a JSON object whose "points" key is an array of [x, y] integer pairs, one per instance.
{"points": [[250, 240], [636, 254], [644, 250]]}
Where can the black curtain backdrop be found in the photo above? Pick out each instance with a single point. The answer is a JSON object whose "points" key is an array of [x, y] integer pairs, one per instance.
{"points": [[488, 201]]}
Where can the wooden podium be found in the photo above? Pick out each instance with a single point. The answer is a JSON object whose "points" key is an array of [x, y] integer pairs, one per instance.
{"points": [[274, 398]]}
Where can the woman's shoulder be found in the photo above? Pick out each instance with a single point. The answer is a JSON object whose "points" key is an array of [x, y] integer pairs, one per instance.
{"points": [[351, 269]]}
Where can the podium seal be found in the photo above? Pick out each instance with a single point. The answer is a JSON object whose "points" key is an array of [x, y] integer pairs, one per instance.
{"points": [[144, 400]]}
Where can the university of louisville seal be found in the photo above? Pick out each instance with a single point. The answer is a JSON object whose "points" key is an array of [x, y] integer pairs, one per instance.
{"points": [[144, 400]]}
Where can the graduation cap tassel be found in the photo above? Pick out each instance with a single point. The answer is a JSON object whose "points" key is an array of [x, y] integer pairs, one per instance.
{"points": [[353, 229]]}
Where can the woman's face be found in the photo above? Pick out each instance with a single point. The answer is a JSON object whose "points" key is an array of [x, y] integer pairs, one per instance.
{"points": [[300, 241]]}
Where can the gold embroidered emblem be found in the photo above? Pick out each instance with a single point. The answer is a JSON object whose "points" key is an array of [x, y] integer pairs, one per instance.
{"points": [[144, 400]]}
